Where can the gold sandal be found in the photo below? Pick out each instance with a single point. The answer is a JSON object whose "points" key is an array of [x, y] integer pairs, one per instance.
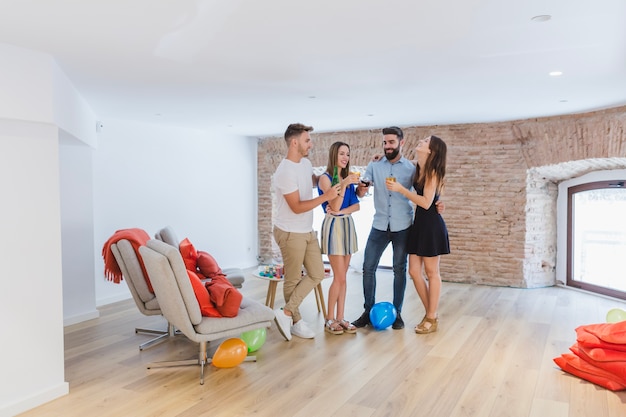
{"points": [[422, 329]]}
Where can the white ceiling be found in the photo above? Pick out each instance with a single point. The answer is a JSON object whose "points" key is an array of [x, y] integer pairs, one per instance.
{"points": [[250, 67]]}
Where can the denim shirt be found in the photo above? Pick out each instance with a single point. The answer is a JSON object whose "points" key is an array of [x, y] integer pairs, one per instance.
{"points": [[393, 210]]}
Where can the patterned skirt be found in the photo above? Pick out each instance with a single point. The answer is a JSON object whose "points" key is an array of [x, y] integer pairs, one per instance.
{"points": [[338, 235]]}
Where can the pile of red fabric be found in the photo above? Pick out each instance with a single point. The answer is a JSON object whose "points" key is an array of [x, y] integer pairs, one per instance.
{"points": [[599, 355], [216, 295]]}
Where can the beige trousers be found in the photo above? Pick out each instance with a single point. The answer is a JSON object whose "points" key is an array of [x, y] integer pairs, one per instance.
{"points": [[298, 250]]}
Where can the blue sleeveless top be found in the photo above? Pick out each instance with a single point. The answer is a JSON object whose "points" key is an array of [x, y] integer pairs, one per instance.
{"points": [[349, 198]]}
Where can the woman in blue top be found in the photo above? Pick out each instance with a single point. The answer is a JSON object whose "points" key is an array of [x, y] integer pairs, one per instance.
{"points": [[338, 239]]}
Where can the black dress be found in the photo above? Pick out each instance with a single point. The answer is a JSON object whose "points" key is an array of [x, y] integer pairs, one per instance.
{"points": [[428, 235]]}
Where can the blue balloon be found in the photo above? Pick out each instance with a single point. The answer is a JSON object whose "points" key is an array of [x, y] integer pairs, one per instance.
{"points": [[382, 315]]}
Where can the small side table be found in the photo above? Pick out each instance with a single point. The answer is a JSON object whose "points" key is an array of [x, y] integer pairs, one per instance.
{"points": [[273, 285]]}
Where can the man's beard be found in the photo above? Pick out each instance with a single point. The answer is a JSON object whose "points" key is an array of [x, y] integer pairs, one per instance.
{"points": [[392, 154]]}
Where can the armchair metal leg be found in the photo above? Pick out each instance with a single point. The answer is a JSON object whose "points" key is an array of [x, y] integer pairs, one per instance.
{"points": [[162, 335], [160, 339], [202, 360], [149, 331], [169, 364]]}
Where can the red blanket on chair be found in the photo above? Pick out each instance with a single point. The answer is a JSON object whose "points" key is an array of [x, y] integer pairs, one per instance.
{"points": [[137, 238]]}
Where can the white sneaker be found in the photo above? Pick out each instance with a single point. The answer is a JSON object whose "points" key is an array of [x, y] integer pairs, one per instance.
{"points": [[301, 329], [283, 322]]}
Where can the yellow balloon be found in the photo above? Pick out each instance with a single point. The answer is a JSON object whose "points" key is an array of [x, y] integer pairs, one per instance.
{"points": [[615, 315], [230, 353]]}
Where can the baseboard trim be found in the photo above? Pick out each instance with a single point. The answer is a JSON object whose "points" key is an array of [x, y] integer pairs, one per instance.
{"points": [[79, 318], [35, 400], [110, 300]]}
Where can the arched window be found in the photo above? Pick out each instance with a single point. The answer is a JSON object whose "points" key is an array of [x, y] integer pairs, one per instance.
{"points": [[596, 237]]}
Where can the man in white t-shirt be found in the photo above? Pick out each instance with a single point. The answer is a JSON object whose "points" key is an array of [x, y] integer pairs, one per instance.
{"points": [[293, 229]]}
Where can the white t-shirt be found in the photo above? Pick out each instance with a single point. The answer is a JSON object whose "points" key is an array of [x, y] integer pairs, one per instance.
{"points": [[289, 177]]}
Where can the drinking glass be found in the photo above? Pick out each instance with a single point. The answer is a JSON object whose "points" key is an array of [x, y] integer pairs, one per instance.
{"points": [[368, 182]]}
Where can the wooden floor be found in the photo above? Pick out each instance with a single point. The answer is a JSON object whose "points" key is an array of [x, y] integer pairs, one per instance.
{"points": [[491, 357]]}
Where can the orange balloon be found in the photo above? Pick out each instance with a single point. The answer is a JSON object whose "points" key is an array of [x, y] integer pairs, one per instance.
{"points": [[230, 353]]}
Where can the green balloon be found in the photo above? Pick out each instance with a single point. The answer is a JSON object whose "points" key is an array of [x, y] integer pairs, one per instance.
{"points": [[254, 338], [615, 315]]}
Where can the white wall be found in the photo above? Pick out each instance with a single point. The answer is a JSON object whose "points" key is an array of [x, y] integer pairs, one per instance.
{"points": [[31, 302], [76, 193], [70, 111], [202, 184], [26, 84], [37, 103], [35, 89]]}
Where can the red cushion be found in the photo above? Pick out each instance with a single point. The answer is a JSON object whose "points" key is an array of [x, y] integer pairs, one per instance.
{"points": [[587, 336], [616, 367], [207, 265], [602, 355], [576, 366], [202, 295], [189, 254], [609, 332]]}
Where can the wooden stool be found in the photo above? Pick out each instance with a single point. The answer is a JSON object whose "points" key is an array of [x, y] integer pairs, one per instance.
{"points": [[273, 285]]}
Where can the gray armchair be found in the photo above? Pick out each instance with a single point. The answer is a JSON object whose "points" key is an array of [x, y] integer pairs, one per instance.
{"points": [[146, 301], [166, 269]]}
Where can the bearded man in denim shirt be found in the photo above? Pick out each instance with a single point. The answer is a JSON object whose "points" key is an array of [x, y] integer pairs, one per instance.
{"points": [[391, 224]]}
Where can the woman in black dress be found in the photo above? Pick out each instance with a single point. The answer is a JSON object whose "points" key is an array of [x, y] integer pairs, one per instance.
{"points": [[428, 238]]}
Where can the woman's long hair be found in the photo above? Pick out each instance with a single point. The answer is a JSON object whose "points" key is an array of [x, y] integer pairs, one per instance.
{"points": [[333, 155], [435, 165]]}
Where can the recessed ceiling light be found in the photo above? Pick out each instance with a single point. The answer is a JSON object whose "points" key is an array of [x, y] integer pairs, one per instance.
{"points": [[541, 18], [556, 73], [370, 115], [312, 97], [562, 101]]}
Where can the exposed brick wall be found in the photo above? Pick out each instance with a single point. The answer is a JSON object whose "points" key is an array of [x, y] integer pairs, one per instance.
{"points": [[501, 187]]}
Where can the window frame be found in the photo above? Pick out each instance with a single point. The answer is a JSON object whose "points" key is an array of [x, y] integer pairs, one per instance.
{"points": [[571, 192]]}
